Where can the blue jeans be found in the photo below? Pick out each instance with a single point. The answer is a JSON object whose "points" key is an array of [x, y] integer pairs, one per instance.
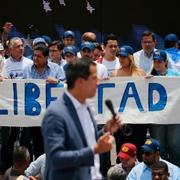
{"points": [[169, 139]]}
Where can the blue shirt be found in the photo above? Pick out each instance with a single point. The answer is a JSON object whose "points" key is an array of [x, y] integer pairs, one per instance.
{"points": [[170, 72], [51, 70], [173, 53], [143, 172]]}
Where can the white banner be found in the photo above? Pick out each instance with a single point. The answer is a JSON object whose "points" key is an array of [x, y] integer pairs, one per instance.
{"points": [[138, 100]]}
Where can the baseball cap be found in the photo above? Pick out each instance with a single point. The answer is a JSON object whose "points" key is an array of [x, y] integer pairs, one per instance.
{"points": [[88, 45], [127, 151], [171, 38], [126, 51], [159, 55], [68, 34], [47, 39], [38, 40], [70, 49], [151, 145], [1, 47]]}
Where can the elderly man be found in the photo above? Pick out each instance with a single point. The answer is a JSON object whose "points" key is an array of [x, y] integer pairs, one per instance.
{"points": [[13, 68]]}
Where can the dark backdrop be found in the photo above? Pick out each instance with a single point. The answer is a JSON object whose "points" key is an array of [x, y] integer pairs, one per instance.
{"points": [[126, 18]]}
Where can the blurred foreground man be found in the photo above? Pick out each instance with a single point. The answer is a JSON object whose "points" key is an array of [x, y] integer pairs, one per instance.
{"points": [[69, 130]]}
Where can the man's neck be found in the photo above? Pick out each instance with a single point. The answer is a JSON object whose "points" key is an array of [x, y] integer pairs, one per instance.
{"points": [[16, 58], [109, 57], [149, 54], [77, 95], [57, 61]]}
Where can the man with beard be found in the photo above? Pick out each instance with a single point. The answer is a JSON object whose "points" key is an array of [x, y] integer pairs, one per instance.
{"points": [[151, 155]]}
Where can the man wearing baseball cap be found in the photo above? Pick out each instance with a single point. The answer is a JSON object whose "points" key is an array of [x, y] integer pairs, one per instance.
{"points": [[127, 155], [68, 38], [171, 46], [150, 155]]}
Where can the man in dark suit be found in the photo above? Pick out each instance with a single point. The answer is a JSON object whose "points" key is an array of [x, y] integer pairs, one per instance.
{"points": [[70, 136]]}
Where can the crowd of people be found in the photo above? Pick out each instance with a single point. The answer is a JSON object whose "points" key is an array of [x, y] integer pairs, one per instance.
{"points": [[61, 61]]}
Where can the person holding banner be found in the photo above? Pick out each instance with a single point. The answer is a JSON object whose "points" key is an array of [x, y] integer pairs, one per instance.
{"points": [[167, 134], [13, 136], [129, 68], [70, 134], [42, 69]]}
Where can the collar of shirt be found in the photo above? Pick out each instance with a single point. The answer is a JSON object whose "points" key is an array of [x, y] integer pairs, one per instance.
{"points": [[14, 60], [75, 102], [145, 54]]}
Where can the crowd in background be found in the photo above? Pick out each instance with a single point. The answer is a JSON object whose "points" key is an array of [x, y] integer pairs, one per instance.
{"points": [[49, 59]]}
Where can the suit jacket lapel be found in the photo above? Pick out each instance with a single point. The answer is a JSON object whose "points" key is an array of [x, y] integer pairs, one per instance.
{"points": [[75, 117], [93, 121]]}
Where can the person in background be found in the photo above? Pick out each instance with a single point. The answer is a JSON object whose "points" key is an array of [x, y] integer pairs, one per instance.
{"points": [[36, 41], [88, 36], [68, 38], [87, 49], [171, 48], [128, 159], [70, 54], [97, 52], [164, 132], [2, 58], [109, 60], [7, 28], [129, 68], [143, 57], [160, 171], [21, 159], [151, 154], [55, 53], [53, 74], [116, 174], [13, 69], [37, 167]]}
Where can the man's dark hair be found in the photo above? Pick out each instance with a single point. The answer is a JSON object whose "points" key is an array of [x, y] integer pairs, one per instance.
{"points": [[160, 165], [169, 44], [78, 68], [20, 155], [43, 48], [58, 43], [97, 46], [109, 37], [148, 33]]}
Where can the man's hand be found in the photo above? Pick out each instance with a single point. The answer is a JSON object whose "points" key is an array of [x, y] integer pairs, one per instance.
{"points": [[104, 143], [52, 80], [113, 124]]}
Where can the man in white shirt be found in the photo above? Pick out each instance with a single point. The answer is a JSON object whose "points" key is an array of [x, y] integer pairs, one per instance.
{"points": [[110, 61], [14, 68], [143, 58], [87, 51]]}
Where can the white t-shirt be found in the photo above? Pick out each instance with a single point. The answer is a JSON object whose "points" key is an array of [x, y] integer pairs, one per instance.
{"points": [[143, 61], [111, 65], [102, 72], [14, 69]]}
